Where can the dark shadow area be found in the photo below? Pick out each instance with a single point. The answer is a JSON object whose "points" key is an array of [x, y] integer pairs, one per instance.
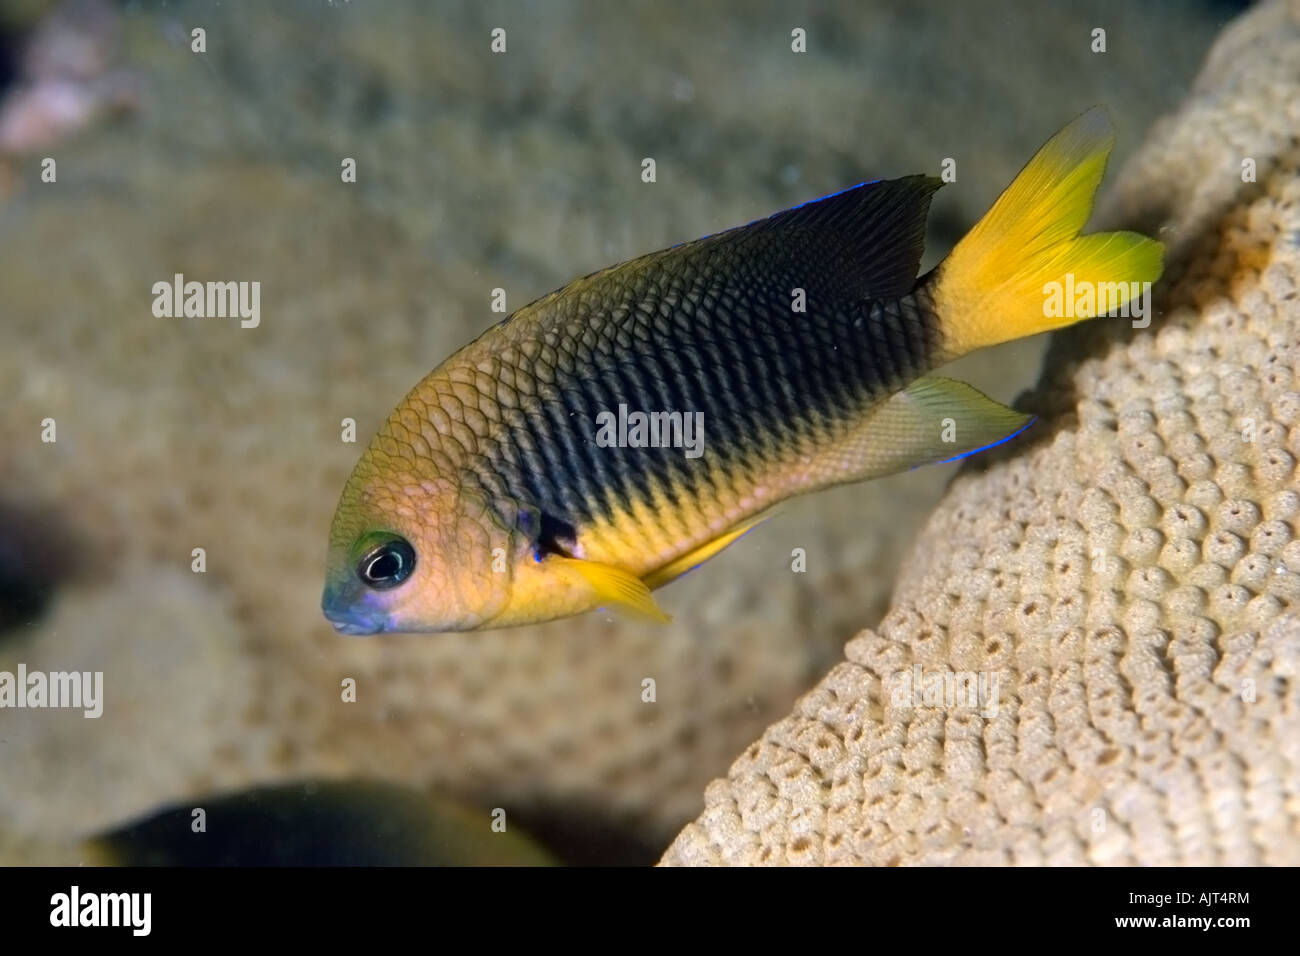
{"points": [[38, 554], [585, 834], [357, 823]]}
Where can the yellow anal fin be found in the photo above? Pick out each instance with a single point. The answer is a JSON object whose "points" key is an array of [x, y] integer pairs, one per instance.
{"points": [[615, 586], [676, 568], [932, 420]]}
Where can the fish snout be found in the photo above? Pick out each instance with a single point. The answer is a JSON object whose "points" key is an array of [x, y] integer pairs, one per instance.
{"points": [[348, 615]]}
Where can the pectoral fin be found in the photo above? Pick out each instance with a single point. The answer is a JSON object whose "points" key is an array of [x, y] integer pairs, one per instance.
{"points": [[675, 569], [613, 586], [932, 420]]}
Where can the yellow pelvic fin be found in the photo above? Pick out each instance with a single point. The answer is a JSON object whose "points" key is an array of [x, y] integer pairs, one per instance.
{"points": [[675, 569], [613, 585], [996, 285], [932, 420]]}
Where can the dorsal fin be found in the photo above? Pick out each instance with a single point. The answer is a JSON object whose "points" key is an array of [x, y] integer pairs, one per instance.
{"points": [[864, 242], [873, 233]]}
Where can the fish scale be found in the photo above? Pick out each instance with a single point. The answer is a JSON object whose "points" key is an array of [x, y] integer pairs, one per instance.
{"points": [[763, 402]]}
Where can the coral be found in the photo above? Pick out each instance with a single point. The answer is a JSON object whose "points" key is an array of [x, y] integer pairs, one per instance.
{"points": [[1131, 582]]}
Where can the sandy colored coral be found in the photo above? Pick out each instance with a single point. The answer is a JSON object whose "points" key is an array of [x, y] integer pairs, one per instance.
{"points": [[1132, 579]]}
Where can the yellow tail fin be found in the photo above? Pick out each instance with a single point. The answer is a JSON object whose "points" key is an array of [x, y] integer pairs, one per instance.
{"points": [[1024, 268]]}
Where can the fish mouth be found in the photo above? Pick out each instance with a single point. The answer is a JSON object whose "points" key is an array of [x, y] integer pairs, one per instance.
{"points": [[347, 618], [352, 628]]}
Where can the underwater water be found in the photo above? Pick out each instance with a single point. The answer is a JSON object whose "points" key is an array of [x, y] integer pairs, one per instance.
{"points": [[383, 182]]}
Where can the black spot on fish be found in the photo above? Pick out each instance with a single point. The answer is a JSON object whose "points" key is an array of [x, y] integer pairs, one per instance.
{"points": [[555, 536]]}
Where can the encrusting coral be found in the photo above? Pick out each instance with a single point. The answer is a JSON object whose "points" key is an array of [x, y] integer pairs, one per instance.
{"points": [[1129, 584]]}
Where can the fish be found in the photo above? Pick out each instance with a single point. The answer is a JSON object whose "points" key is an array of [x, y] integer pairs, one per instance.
{"points": [[516, 484]]}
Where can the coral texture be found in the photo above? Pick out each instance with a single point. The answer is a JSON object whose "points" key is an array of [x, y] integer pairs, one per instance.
{"points": [[1130, 584]]}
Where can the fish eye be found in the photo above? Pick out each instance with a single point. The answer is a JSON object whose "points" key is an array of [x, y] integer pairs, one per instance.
{"points": [[387, 562]]}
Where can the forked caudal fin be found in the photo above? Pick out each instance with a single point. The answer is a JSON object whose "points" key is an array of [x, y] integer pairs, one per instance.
{"points": [[997, 284]]}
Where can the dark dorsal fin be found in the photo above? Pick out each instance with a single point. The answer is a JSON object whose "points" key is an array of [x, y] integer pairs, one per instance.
{"points": [[875, 232], [864, 242]]}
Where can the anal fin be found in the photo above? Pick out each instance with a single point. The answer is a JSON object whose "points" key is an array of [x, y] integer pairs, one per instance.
{"points": [[676, 568], [615, 586], [931, 420]]}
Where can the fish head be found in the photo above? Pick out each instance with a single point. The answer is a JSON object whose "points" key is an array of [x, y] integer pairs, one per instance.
{"points": [[412, 549]]}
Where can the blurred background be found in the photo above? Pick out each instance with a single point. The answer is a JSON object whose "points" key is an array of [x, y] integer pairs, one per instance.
{"points": [[474, 170]]}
